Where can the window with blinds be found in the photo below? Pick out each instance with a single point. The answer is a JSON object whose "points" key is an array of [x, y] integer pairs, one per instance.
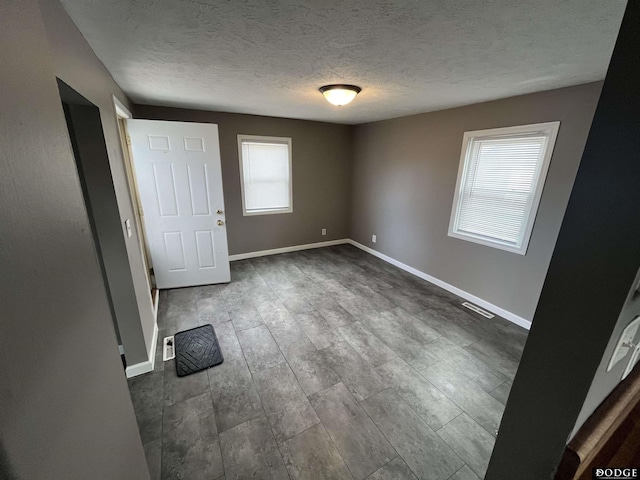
{"points": [[500, 182], [265, 174]]}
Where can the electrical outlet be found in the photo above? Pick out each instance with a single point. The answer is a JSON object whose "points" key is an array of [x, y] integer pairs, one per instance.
{"points": [[324, 231], [373, 238]]}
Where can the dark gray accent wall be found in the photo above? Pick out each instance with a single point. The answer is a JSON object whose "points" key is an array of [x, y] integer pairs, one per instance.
{"points": [[65, 410], [321, 170], [404, 177], [75, 63], [586, 297]]}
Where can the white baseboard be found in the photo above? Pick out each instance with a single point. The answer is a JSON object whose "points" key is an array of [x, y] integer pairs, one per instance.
{"points": [[295, 248], [512, 317], [149, 365]]}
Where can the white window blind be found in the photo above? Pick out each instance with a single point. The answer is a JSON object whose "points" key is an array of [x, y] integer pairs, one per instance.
{"points": [[265, 163], [500, 182]]}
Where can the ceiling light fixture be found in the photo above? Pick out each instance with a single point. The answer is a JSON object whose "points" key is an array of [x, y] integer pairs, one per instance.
{"points": [[340, 94]]}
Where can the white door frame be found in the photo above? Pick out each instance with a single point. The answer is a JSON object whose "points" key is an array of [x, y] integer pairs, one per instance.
{"points": [[122, 115]]}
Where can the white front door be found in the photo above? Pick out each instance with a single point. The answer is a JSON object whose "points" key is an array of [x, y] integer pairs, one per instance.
{"points": [[177, 167]]}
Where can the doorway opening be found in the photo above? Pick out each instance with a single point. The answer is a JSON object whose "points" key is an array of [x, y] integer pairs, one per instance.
{"points": [[85, 133], [110, 232]]}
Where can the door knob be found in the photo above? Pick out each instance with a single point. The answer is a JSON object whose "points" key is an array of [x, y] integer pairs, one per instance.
{"points": [[219, 212], [220, 223]]}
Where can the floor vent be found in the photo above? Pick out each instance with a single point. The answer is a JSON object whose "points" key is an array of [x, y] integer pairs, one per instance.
{"points": [[477, 309], [168, 350]]}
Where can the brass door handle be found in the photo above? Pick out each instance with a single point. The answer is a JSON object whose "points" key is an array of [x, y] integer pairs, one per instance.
{"points": [[219, 212], [220, 223]]}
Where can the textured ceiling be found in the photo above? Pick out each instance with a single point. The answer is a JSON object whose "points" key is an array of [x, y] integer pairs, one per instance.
{"points": [[269, 57]]}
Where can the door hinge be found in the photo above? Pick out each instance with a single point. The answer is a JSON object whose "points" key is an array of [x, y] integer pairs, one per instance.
{"points": [[128, 140]]}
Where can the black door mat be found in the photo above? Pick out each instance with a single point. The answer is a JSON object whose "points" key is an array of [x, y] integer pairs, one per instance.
{"points": [[196, 349]]}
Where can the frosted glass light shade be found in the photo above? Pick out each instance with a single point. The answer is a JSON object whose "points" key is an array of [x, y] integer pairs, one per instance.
{"points": [[340, 94]]}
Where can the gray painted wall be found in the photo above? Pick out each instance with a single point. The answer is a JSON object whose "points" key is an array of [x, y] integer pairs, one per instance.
{"points": [[585, 299], [65, 407], [321, 170], [75, 63], [404, 176]]}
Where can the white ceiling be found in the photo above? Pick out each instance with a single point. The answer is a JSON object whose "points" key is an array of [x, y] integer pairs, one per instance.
{"points": [[269, 57]]}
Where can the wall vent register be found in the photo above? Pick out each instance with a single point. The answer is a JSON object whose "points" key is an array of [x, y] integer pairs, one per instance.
{"points": [[478, 310]]}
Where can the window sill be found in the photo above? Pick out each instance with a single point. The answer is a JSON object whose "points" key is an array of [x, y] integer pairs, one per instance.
{"points": [[266, 212]]}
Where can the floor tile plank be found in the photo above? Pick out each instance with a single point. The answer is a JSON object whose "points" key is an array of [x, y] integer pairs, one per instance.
{"points": [[311, 454], [260, 350], [250, 451], [474, 369], [235, 399], [481, 406], [373, 350], [396, 469], [470, 441], [361, 445], [287, 408], [424, 452], [427, 401], [318, 329], [465, 473], [281, 324], [356, 374], [310, 368], [190, 447]]}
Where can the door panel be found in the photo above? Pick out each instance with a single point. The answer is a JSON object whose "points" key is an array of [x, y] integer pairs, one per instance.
{"points": [[204, 247], [180, 183], [199, 189], [165, 189]]}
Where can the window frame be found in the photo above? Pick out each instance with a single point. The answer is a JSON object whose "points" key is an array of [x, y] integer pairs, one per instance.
{"points": [[265, 139], [550, 129]]}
